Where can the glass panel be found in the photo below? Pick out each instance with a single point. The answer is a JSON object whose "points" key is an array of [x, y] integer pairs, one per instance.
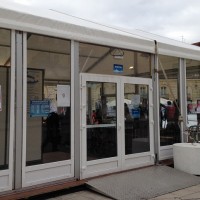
{"points": [[101, 120], [193, 92], [169, 101], [5, 57], [136, 113], [48, 100], [112, 61]]}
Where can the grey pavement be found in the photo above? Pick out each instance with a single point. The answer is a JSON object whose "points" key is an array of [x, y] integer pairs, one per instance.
{"points": [[190, 193]]}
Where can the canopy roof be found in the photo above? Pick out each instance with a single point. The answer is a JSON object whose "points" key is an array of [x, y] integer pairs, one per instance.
{"points": [[58, 24]]}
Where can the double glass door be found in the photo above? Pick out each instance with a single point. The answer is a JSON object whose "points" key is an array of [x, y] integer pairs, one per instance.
{"points": [[116, 129]]}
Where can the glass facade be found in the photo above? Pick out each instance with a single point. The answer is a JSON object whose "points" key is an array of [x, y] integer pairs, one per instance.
{"points": [[5, 80], [169, 100], [193, 92], [112, 61], [48, 100]]}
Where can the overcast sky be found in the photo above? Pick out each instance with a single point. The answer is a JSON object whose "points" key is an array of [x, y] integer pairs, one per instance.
{"points": [[177, 19]]}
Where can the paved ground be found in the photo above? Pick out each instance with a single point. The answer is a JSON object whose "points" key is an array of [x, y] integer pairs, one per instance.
{"points": [[191, 193]]}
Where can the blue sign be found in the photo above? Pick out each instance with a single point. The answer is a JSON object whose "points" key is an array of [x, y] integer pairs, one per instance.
{"points": [[136, 113], [118, 68], [39, 108]]}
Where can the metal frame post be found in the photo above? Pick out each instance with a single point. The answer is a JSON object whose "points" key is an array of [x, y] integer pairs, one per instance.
{"points": [[76, 98], [183, 97], [156, 103], [19, 111]]}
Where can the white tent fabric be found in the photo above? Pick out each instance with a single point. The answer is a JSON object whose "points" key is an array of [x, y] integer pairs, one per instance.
{"points": [[170, 47], [59, 24], [52, 23]]}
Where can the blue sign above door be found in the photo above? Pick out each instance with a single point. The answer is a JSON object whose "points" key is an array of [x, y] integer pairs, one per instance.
{"points": [[118, 68]]}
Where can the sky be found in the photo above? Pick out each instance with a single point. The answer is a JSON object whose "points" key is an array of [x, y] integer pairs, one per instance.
{"points": [[176, 19]]}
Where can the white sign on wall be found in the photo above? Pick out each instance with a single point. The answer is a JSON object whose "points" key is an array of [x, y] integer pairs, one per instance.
{"points": [[63, 95], [0, 99]]}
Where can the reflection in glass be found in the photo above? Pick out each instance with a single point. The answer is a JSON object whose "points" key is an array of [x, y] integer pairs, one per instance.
{"points": [[169, 101], [5, 58], [193, 92], [101, 120], [48, 100], [136, 113]]}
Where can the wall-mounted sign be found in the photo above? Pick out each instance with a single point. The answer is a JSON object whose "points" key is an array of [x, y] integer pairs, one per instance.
{"points": [[118, 68], [39, 108], [0, 99]]}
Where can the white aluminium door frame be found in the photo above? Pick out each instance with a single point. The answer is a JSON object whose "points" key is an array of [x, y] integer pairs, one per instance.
{"points": [[146, 158], [121, 161], [100, 166], [48, 172], [6, 176]]}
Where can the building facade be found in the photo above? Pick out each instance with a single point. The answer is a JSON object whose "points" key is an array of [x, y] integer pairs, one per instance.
{"points": [[78, 100]]}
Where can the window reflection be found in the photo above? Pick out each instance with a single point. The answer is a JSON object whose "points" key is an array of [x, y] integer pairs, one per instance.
{"points": [[48, 100], [169, 100], [136, 113], [101, 120], [5, 57], [193, 92]]}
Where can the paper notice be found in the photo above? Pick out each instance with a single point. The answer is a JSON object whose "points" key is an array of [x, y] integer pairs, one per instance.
{"points": [[63, 95], [135, 101]]}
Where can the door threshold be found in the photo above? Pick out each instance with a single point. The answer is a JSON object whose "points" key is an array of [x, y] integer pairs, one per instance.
{"points": [[41, 189]]}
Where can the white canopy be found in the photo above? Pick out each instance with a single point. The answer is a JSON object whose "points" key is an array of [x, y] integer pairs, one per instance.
{"points": [[172, 47], [55, 23]]}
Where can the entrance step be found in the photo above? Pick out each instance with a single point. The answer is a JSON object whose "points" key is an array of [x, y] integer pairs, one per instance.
{"points": [[143, 183]]}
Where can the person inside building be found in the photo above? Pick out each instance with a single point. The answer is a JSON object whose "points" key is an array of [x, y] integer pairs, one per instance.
{"points": [[170, 112], [53, 131], [163, 115], [94, 117], [126, 112], [198, 112]]}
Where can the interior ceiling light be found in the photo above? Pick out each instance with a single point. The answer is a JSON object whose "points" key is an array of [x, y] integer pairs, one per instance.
{"points": [[131, 67], [117, 53]]}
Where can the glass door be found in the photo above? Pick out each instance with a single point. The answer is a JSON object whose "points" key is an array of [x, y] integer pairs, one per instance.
{"points": [[136, 114], [101, 120], [136, 94], [100, 149], [116, 131]]}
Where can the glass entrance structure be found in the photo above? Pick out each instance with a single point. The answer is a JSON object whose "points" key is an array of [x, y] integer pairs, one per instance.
{"points": [[79, 101]]}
